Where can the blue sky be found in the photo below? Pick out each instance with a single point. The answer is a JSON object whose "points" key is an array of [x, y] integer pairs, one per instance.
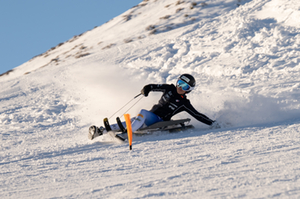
{"points": [[31, 27]]}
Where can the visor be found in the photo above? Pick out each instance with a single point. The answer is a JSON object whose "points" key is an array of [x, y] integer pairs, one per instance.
{"points": [[183, 85]]}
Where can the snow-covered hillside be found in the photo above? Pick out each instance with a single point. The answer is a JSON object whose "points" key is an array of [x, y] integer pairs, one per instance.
{"points": [[245, 56]]}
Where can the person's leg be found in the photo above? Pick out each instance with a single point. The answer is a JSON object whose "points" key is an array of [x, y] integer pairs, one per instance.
{"points": [[145, 117], [115, 127], [151, 118]]}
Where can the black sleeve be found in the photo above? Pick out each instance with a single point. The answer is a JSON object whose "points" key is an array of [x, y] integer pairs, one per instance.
{"points": [[199, 116], [157, 87]]}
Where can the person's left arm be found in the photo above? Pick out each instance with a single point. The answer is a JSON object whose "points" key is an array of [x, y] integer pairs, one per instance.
{"points": [[199, 116], [154, 87]]}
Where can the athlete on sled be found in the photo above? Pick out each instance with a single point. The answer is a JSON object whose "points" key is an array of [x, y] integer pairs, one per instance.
{"points": [[173, 101]]}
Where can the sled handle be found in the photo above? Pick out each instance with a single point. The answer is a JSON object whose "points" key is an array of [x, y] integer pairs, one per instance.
{"points": [[137, 95], [126, 105]]}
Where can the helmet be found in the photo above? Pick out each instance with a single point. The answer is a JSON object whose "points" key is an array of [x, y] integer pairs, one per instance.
{"points": [[187, 82]]}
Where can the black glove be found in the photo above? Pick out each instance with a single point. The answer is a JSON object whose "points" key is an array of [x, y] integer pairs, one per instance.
{"points": [[146, 90], [215, 125]]}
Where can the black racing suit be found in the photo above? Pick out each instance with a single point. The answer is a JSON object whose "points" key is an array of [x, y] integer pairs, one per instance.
{"points": [[172, 103]]}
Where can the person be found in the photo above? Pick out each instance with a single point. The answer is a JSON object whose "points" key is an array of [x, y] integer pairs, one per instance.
{"points": [[172, 102]]}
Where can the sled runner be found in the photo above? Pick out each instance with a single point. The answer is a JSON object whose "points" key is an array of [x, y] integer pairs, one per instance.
{"points": [[112, 133]]}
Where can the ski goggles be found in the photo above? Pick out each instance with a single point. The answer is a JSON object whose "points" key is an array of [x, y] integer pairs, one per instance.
{"points": [[184, 85]]}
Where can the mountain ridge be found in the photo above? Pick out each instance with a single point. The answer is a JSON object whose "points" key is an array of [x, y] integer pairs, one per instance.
{"points": [[181, 13]]}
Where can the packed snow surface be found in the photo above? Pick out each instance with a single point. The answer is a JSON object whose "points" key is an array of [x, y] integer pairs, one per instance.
{"points": [[245, 56]]}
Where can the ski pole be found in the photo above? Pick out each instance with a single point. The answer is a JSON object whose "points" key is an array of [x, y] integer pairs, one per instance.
{"points": [[126, 105]]}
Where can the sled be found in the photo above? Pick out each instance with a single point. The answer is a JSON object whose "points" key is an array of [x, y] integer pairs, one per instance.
{"points": [[172, 126]]}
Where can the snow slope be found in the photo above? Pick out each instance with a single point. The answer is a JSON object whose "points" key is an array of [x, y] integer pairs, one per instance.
{"points": [[245, 57]]}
